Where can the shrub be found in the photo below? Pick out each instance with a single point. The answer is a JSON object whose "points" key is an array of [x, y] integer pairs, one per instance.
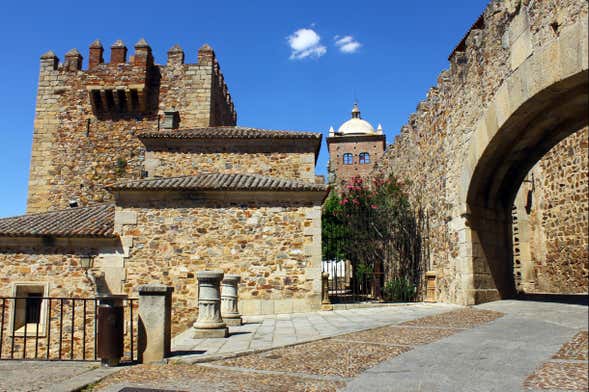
{"points": [[400, 289]]}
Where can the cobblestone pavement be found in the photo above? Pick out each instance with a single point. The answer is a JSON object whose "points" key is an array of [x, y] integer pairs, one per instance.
{"points": [[265, 332], [322, 365], [567, 370]]}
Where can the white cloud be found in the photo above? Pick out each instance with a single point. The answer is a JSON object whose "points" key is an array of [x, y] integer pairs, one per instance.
{"points": [[305, 43], [347, 44]]}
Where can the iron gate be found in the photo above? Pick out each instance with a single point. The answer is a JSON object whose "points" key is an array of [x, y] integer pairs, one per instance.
{"points": [[376, 260], [58, 328]]}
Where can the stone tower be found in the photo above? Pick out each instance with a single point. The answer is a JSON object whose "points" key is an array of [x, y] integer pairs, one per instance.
{"points": [[353, 149], [86, 119]]}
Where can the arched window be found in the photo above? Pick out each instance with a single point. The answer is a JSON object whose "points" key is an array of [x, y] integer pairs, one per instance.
{"points": [[348, 158], [364, 158]]}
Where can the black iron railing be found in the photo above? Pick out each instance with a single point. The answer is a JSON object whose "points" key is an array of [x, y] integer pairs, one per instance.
{"points": [[63, 328]]}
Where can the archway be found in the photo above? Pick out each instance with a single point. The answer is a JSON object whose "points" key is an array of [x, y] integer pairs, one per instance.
{"points": [[536, 126]]}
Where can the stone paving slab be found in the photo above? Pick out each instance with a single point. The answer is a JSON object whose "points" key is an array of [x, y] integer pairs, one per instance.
{"points": [[497, 356], [271, 331], [322, 365], [49, 375]]}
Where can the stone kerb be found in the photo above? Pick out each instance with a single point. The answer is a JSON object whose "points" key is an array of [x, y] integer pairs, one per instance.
{"points": [[155, 322], [229, 300], [209, 323]]}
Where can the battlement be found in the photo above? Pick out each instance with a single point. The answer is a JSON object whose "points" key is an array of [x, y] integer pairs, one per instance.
{"points": [[123, 84], [86, 118]]}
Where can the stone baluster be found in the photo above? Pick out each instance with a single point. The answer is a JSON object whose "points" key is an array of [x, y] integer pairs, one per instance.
{"points": [[209, 323], [229, 298]]}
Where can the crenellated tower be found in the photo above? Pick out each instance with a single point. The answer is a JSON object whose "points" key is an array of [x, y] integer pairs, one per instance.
{"points": [[86, 119]]}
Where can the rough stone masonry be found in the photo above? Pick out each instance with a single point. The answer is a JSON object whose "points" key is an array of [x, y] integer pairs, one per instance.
{"points": [[516, 87]]}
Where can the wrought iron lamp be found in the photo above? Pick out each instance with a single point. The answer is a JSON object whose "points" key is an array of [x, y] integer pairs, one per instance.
{"points": [[86, 262]]}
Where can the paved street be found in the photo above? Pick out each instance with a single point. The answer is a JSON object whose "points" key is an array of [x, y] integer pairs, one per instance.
{"points": [[264, 332], [494, 357], [501, 346]]}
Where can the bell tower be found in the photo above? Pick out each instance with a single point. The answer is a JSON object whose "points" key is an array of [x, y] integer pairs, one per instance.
{"points": [[353, 149]]}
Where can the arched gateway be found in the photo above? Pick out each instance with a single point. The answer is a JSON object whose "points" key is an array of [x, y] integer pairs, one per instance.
{"points": [[542, 102]]}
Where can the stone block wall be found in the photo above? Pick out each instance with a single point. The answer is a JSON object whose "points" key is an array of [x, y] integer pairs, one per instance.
{"points": [[288, 165], [86, 120], [274, 245], [58, 267], [551, 224], [429, 153]]}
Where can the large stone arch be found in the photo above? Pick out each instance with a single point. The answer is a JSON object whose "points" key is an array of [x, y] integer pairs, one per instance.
{"points": [[543, 101]]}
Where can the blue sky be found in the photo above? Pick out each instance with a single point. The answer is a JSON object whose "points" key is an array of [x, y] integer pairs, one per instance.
{"points": [[389, 54]]}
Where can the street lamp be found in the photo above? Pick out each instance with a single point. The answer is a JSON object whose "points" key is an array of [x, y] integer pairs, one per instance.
{"points": [[86, 262]]}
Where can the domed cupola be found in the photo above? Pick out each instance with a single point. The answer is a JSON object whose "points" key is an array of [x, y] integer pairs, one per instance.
{"points": [[355, 126]]}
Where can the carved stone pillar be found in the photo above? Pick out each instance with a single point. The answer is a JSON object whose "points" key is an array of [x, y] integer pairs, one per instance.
{"points": [[325, 303], [209, 323], [229, 297]]}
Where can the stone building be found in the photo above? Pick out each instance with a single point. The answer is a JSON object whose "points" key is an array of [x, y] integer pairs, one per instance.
{"points": [[353, 149], [139, 169], [513, 101]]}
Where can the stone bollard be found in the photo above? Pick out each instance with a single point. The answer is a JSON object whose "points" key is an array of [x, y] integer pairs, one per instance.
{"points": [[229, 297], [325, 303], [155, 322], [209, 323]]}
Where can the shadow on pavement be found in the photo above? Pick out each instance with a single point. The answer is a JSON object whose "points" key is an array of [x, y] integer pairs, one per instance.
{"points": [[571, 299]]}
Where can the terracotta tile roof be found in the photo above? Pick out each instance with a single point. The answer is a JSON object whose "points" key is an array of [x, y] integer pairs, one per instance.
{"points": [[229, 133], [219, 182], [91, 221]]}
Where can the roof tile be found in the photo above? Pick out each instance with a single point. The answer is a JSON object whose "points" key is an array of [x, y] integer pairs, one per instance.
{"points": [[219, 182], [92, 221], [229, 133]]}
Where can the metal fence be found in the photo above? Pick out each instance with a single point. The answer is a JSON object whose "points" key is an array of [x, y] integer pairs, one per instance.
{"points": [[58, 328], [372, 258]]}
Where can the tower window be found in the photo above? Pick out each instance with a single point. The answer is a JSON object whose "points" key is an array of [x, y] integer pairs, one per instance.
{"points": [[364, 158], [348, 159]]}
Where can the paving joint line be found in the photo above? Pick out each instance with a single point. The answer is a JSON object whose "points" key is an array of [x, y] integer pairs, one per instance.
{"points": [[277, 373]]}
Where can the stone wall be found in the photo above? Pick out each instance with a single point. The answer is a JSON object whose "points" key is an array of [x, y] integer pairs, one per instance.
{"points": [[275, 245], [286, 165], [433, 148], [551, 225], [86, 120], [56, 266]]}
